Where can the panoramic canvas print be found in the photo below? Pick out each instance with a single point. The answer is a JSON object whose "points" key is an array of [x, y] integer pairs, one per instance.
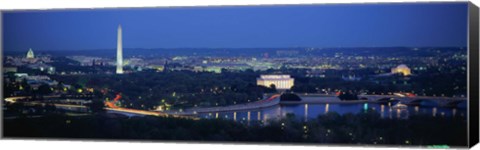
{"points": [[338, 74]]}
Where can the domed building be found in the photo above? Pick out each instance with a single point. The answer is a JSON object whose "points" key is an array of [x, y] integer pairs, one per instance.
{"points": [[30, 54], [402, 69], [281, 82]]}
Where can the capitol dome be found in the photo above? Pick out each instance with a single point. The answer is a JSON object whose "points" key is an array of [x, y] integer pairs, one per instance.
{"points": [[30, 54]]}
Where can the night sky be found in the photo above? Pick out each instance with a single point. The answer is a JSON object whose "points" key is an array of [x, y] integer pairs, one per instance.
{"points": [[346, 25]]}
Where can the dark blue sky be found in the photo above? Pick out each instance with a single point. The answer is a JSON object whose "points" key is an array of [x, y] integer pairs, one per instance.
{"points": [[347, 25]]}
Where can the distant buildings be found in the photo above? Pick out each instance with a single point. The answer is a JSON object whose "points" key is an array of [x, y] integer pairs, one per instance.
{"points": [[30, 54], [281, 82], [9, 69], [158, 68], [36, 80], [351, 78], [19, 76], [402, 69], [217, 68], [316, 73], [43, 67], [119, 51], [91, 61]]}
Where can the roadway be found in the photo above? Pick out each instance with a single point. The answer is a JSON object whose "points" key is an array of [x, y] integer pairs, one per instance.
{"points": [[271, 101], [124, 111]]}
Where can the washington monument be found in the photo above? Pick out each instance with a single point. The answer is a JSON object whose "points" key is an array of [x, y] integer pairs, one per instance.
{"points": [[119, 51]]}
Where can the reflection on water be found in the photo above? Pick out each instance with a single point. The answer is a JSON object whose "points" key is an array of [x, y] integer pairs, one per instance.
{"points": [[389, 111], [326, 108], [309, 111], [382, 111], [249, 117], [306, 113], [234, 116], [259, 115]]}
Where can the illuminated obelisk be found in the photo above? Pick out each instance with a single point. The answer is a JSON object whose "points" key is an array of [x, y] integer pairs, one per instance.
{"points": [[119, 51]]}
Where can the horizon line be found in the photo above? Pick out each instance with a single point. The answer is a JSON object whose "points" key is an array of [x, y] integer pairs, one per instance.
{"points": [[286, 48]]}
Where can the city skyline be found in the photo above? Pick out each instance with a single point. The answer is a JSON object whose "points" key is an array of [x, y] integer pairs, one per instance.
{"points": [[442, 25], [349, 74]]}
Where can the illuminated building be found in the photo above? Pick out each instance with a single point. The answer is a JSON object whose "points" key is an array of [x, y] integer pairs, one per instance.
{"points": [[157, 68], [217, 68], [281, 82], [351, 78], [119, 51], [30, 54], [403, 69], [9, 69]]}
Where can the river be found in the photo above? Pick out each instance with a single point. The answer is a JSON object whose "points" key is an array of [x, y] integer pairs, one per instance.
{"points": [[311, 111]]}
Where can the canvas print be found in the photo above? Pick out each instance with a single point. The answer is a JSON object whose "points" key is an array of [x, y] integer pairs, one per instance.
{"points": [[324, 74]]}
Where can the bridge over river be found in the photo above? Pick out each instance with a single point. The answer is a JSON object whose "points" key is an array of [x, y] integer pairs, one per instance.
{"points": [[271, 101], [333, 99], [416, 100]]}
